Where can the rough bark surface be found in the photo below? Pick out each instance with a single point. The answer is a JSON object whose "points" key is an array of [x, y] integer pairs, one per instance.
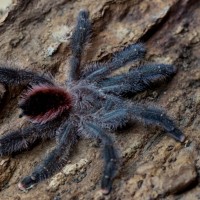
{"points": [[35, 35]]}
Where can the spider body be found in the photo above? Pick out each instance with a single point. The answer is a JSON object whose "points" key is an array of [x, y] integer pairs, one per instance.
{"points": [[91, 104], [44, 102]]}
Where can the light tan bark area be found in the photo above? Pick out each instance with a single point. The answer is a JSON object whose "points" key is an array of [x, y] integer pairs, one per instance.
{"points": [[34, 34]]}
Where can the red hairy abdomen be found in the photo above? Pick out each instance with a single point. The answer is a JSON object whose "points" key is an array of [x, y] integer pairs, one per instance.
{"points": [[43, 103]]}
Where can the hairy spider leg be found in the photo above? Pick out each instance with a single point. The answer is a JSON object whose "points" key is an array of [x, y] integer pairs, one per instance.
{"points": [[54, 161], [156, 116], [148, 115], [79, 38], [22, 139], [109, 154], [98, 71], [138, 80], [10, 76], [115, 118]]}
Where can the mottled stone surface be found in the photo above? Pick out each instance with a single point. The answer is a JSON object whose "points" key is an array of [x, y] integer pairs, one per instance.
{"points": [[35, 35]]}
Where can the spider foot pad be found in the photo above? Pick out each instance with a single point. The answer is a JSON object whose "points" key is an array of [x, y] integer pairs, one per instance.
{"points": [[27, 183], [106, 185]]}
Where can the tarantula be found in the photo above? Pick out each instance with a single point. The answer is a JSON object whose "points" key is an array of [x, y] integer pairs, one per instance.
{"points": [[91, 104]]}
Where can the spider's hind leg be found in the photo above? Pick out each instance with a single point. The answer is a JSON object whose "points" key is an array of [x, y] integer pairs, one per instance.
{"points": [[54, 161], [21, 140], [14, 76]]}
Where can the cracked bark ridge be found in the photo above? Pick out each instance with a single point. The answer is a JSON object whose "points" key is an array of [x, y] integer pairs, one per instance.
{"points": [[35, 35]]}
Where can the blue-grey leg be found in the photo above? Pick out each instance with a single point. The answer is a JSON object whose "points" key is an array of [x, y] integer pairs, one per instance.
{"points": [[16, 76], [79, 38], [54, 161], [21, 140], [97, 71], [109, 155], [138, 80], [149, 115]]}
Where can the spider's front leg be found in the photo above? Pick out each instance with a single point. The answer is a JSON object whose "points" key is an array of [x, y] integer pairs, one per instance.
{"points": [[138, 80], [98, 71], [54, 161], [109, 154], [149, 115], [157, 117]]}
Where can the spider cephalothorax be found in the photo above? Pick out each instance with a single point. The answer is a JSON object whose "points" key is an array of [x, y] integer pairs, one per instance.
{"points": [[91, 104]]}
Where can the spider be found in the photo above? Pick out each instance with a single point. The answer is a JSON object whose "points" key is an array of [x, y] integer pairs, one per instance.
{"points": [[92, 103]]}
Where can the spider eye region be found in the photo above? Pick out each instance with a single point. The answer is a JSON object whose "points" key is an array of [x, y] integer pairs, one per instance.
{"points": [[43, 103]]}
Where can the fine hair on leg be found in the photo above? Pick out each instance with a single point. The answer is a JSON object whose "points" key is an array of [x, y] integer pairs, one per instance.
{"points": [[138, 80], [79, 38], [129, 54], [21, 139], [155, 116], [14, 76], [54, 161], [109, 155]]}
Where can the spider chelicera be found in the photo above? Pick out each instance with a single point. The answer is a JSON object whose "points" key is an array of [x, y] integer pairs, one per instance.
{"points": [[91, 104]]}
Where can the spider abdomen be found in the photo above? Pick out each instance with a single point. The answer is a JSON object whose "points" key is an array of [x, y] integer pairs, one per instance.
{"points": [[44, 102]]}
